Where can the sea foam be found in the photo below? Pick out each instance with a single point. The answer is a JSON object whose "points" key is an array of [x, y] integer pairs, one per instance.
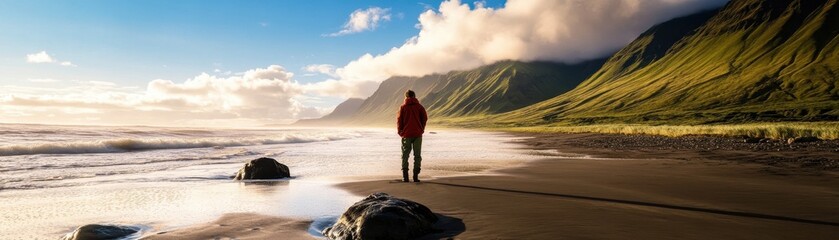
{"points": [[139, 144]]}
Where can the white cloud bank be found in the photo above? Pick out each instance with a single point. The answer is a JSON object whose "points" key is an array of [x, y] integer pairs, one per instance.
{"points": [[255, 97], [44, 57], [364, 20], [458, 37], [326, 69]]}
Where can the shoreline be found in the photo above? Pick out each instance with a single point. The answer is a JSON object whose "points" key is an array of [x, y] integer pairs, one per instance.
{"points": [[600, 198], [240, 226], [658, 193], [810, 157]]}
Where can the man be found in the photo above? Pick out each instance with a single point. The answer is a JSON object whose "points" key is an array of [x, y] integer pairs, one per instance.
{"points": [[410, 123]]}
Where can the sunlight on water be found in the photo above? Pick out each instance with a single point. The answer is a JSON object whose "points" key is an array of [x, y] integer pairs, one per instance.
{"points": [[43, 196]]}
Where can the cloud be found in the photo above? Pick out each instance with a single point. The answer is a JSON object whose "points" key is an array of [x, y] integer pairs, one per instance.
{"points": [[273, 72], [43, 80], [219, 71], [257, 96], [39, 57], [364, 20], [99, 83], [44, 57], [257, 93], [326, 69], [459, 37]]}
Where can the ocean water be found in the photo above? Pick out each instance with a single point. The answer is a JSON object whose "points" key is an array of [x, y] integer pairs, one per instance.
{"points": [[56, 178]]}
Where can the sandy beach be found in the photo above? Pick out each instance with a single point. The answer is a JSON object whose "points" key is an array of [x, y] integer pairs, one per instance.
{"points": [[242, 226], [672, 196]]}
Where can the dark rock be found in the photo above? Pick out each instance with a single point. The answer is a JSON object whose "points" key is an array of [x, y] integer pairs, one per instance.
{"points": [[802, 140], [751, 140], [263, 168], [381, 216], [97, 232]]}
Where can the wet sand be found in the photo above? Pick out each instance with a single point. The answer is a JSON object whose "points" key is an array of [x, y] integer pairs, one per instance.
{"points": [[675, 196], [662, 192], [241, 226], [793, 158]]}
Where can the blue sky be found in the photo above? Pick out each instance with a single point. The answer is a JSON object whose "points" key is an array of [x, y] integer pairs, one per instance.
{"points": [[253, 63], [133, 42]]}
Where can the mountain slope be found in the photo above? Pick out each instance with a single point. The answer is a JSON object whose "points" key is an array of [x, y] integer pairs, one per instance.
{"points": [[754, 60], [490, 89], [504, 86], [341, 113], [380, 108]]}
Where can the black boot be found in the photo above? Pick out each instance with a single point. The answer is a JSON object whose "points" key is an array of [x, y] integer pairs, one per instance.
{"points": [[405, 176], [416, 176]]}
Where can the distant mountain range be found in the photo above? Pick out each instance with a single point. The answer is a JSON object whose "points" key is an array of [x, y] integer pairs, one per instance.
{"points": [[750, 61], [342, 112], [487, 90]]}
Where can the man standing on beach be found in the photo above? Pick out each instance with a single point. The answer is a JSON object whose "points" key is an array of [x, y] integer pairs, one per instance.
{"points": [[410, 123]]}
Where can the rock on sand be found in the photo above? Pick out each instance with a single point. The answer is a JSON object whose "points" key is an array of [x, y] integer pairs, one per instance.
{"points": [[97, 231], [381, 216]]}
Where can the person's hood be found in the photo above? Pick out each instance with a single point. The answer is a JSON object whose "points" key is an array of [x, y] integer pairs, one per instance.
{"points": [[410, 101]]}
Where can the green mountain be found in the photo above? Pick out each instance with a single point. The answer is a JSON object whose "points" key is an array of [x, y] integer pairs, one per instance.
{"points": [[490, 89], [753, 60], [341, 113]]}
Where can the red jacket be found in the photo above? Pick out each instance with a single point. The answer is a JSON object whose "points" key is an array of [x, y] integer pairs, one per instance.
{"points": [[410, 121]]}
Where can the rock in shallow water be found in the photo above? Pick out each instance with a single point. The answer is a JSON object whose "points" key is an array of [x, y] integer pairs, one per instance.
{"points": [[263, 168], [97, 232], [381, 216]]}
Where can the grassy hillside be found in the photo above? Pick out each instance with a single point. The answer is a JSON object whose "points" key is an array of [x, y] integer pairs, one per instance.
{"points": [[774, 130], [380, 108], [490, 89], [753, 61], [504, 86]]}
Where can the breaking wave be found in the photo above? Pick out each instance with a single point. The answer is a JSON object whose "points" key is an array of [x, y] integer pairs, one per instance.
{"points": [[133, 144]]}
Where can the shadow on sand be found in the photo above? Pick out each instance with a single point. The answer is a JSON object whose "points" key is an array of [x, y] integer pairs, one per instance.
{"points": [[447, 227], [648, 204]]}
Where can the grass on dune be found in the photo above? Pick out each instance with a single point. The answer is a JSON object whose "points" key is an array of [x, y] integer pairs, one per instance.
{"points": [[781, 130]]}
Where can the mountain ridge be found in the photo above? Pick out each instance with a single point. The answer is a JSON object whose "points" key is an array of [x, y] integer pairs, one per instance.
{"points": [[752, 61], [486, 90], [341, 112], [748, 61]]}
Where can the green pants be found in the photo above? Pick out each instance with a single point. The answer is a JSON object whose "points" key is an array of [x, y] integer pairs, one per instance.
{"points": [[407, 145]]}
